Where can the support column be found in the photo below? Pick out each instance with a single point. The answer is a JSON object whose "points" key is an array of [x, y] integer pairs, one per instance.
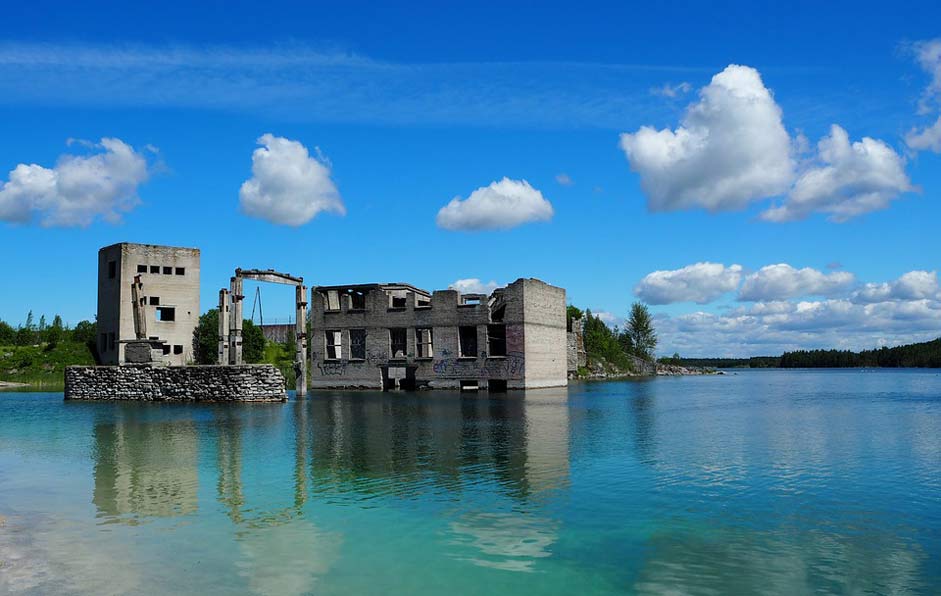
{"points": [[300, 354], [223, 349], [235, 321]]}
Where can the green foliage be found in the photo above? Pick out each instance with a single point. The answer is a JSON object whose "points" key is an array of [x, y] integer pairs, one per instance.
{"points": [[641, 332], [42, 366], [54, 333], [572, 313], [206, 340], [7, 334], [603, 344], [674, 360], [920, 355], [253, 342]]}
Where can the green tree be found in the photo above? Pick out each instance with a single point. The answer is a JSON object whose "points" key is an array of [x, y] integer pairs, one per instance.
{"points": [[7, 334], [54, 332], [206, 340], [85, 332], [640, 329]]}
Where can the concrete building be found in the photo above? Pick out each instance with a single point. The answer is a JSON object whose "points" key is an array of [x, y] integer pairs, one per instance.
{"points": [[169, 293], [385, 336]]}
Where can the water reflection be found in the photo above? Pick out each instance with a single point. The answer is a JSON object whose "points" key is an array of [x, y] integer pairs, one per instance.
{"points": [[145, 467]]}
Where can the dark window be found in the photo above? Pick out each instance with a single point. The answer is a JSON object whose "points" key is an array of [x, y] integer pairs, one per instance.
{"points": [[398, 339], [155, 301], [497, 315], [166, 313], [358, 344], [422, 302], [398, 302], [497, 385], [154, 269], [181, 271], [334, 344], [468, 337], [112, 269], [496, 340], [423, 343], [168, 270], [166, 349], [142, 268], [357, 300], [469, 385], [177, 350]]}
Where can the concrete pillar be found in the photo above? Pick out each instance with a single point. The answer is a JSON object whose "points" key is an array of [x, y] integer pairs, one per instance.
{"points": [[300, 355], [235, 321], [223, 353]]}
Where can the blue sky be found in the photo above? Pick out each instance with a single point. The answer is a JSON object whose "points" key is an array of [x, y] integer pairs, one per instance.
{"points": [[401, 109]]}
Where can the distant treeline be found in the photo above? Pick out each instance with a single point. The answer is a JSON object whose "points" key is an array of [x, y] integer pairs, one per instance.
{"points": [[920, 355]]}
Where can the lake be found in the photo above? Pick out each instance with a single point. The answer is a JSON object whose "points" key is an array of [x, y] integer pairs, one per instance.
{"points": [[760, 481]]}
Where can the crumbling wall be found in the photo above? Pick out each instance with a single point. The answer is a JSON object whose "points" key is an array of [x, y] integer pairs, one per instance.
{"points": [[252, 383], [576, 355]]}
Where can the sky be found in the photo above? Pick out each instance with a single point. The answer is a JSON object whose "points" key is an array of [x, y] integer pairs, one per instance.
{"points": [[765, 178]]}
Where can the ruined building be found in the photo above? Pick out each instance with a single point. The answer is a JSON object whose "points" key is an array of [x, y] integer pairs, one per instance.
{"points": [[386, 336], [168, 291]]}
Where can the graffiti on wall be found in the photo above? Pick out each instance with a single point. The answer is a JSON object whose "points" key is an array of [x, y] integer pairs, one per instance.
{"points": [[512, 365]]}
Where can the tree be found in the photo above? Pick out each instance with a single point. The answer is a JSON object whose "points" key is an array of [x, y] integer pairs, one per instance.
{"points": [[7, 334], [206, 340], [640, 329], [54, 332], [85, 332]]}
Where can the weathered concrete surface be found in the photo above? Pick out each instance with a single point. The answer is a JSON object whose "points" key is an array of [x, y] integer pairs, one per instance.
{"points": [[247, 382], [529, 312], [170, 278]]}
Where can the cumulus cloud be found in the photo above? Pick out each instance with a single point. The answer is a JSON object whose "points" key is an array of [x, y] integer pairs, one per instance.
{"points": [[475, 286], [700, 283], [928, 54], [668, 90], [564, 179], [914, 285], [904, 310], [501, 205], [772, 328], [847, 180], [79, 189], [782, 281], [730, 149], [288, 186], [926, 139]]}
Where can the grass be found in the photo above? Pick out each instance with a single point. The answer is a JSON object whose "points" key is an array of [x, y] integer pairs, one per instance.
{"points": [[41, 366]]}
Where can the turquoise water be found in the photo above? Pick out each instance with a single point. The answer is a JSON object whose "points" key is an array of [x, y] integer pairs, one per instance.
{"points": [[758, 482]]}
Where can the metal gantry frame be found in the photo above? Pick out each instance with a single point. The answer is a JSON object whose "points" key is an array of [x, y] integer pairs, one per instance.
{"points": [[230, 319]]}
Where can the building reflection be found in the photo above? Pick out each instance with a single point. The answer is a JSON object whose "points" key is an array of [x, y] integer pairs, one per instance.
{"points": [[144, 467]]}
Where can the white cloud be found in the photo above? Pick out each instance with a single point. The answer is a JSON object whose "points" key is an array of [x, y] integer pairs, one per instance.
{"points": [[731, 149], [782, 281], [79, 189], [928, 54], [914, 285], [288, 186], [564, 179], [502, 205], [928, 138], [701, 283], [668, 90], [475, 286], [846, 181], [772, 328], [609, 318]]}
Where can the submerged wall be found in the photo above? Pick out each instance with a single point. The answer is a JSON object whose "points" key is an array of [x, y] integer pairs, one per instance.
{"points": [[247, 382]]}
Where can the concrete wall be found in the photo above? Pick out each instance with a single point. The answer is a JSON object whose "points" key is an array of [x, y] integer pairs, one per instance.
{"points": [[447, 367], [175, 285], [279, 333], [575, 346], [260, 382], [544, 329]]}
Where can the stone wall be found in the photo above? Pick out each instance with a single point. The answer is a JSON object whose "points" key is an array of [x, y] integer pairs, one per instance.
{"points": [[247, 382]]}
